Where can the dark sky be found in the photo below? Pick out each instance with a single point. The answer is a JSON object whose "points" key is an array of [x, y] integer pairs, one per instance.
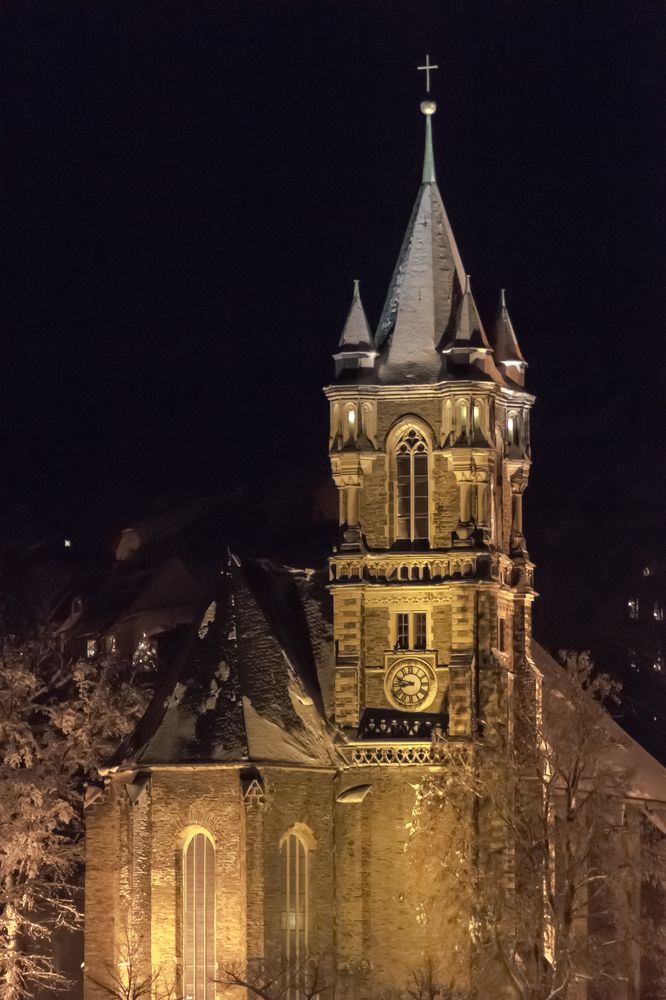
{"points": [[189, 189]]}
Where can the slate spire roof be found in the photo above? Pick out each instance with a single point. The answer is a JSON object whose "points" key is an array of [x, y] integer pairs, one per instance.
{"points": [[508, 355], [426, 286]]}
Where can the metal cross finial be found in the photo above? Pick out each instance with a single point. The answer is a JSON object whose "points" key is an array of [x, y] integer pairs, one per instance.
{"points": [[428, 68]]}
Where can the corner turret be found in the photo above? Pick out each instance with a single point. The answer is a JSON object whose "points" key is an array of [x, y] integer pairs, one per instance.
{"points": [[469, 343], [508, 356], [356, 348]]}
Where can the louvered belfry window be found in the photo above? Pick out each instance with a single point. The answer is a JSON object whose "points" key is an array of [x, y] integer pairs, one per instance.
{"points": [[411, 486], [295, 903], [199, 918]]}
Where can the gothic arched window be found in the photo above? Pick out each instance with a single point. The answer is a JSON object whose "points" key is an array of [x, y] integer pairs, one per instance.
{"points": [[295, 849], [199, 917], [411, 487]]}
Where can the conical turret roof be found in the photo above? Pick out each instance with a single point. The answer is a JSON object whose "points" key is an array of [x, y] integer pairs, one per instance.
{"points": [[356, 334], [356, 351], [468, 332], [505, 341]]}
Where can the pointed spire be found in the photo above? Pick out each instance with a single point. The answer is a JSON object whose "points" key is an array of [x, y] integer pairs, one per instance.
{"points": [[508, 355], [426, 285], [429, 176], [469, 338], [356, 348]]}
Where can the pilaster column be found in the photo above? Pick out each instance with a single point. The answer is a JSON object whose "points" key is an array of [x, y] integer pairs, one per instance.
{"points": [[254, 800], [518, 478], [352, 505]]}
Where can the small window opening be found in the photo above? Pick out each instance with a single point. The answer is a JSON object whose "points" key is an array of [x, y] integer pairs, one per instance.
{"points": [[420, 637], [633, 607], [501, 635]]}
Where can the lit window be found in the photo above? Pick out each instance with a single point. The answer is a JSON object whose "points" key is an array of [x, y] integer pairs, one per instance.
{"points": [[111, 644], [68, 543], [658, 612], [199, 918], [295, 904], [91, 647], [411, 487], [411, 630], [501, 635], [632, 604], [658, 664], [351, 417], [646, 571]]}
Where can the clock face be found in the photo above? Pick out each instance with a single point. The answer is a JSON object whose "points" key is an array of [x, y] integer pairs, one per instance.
{"points": [[411, 684]]}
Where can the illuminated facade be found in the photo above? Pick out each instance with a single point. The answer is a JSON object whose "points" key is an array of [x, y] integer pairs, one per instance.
{"points": [[259, 814]]}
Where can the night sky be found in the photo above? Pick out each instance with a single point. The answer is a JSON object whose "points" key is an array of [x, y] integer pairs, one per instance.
{"points": [[189, 189]]}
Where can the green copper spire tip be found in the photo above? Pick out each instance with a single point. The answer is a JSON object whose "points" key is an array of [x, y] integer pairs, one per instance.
{"points": [[429, 177]]}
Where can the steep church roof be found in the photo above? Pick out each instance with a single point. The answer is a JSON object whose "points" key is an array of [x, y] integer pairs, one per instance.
{"points": [[646, 775], [247, 690]]}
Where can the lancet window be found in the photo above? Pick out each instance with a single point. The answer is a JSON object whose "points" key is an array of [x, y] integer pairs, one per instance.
{"points": [[295, 900], [411, 487], [199, 918]]}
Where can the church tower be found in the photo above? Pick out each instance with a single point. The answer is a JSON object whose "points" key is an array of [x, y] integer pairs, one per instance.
{"points": [[239, 836], [430, 452]]}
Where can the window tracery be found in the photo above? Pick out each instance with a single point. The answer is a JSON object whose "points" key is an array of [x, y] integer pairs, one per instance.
{"points": [[411, 486], [295, 849]]}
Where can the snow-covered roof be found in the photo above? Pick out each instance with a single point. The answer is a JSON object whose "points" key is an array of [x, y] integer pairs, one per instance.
{"points": [[423, 296], [247, 689], [647, 775]]}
